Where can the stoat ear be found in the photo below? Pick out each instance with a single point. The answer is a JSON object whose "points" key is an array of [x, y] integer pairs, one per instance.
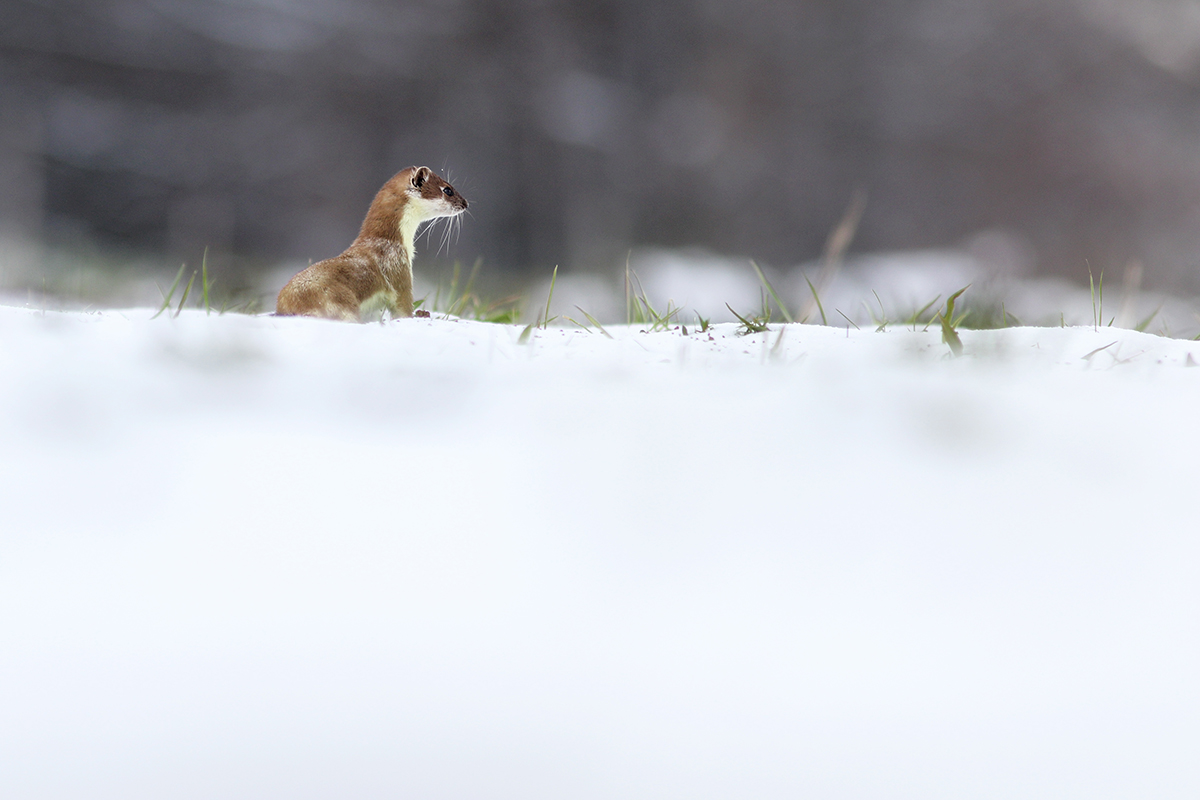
{"points": [[420, 176]]}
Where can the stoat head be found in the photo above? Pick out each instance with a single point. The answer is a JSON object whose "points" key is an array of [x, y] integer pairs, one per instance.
{"points": [[411, 197], [431, 195]]}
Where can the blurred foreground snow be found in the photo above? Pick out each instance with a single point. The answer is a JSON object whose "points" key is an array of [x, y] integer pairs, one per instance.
{"points": [[249, 557]]}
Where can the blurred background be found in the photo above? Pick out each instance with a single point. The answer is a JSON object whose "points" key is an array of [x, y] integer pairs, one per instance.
{"points": [[1014, 139]]}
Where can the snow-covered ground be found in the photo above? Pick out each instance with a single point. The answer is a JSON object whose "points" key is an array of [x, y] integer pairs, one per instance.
{"points": [[249, 557]]}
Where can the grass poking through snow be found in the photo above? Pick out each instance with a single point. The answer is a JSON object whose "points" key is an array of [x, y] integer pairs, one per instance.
{"points": [[249, 306], [461, 300]]}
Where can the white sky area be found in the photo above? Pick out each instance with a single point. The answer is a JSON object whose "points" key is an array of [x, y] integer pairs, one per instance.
{"points": [[257, 557]]}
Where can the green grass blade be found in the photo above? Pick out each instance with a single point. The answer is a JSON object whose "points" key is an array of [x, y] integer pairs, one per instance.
{"points": [[467, 296], [452, 296], [883, 320], [167, 297], [952, 298], [783, 309], [820, 308], [592, 320], [1141, 326], [629, 308], [186, 291], [549, 297], [204, 280], [949, 334], [505, 311], [916, 317], [1097, 290], [646, 312]]}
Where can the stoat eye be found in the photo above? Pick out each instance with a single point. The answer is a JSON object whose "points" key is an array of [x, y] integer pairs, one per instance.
{"points": [[446, 190]]}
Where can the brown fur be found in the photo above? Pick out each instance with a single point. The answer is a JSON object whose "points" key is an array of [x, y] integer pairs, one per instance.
{"points": [[377, 265]]}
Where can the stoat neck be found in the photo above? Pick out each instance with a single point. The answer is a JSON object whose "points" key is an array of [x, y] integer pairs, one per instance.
{"points": [[408, 235], [392, 218], [393, 257]]}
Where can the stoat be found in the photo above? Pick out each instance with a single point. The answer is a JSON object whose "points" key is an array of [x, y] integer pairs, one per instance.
{"points": [[377, 265]]}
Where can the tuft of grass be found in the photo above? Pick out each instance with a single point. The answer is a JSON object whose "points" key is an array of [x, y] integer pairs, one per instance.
{"points": [[663, 321], [754, 323], [460, 299], [703, 323], [456, 301], [640, 311], [250, 305], [988, 316], [506, 311], [918, 316], [880, 322]]}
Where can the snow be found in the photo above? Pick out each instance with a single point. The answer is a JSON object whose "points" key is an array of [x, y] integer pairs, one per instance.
{"points": [[258, 557]]}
